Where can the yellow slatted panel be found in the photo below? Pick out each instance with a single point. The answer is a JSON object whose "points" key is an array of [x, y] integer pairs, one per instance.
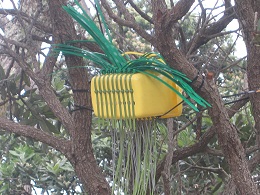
{"points": [[125, 96]]}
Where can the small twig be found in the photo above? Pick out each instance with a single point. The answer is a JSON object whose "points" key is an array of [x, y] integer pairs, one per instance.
{"points": [[129, 20], [233, 64], [184, 126], [138, 10]]}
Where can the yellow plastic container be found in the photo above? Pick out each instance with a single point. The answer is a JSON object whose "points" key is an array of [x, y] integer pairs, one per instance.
{"points": [[134, 96]]}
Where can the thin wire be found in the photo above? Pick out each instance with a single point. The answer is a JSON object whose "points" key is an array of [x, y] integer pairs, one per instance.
{"points": [[171, 109], [79, 107], [80, 90], [236, 101], [99, 21], [242, 93]]}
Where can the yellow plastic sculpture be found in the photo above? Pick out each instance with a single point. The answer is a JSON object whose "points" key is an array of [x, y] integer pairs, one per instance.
{"points": [[122, 96]]}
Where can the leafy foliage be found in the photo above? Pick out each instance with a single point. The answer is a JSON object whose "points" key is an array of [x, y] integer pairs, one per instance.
{"points": [[35, 164]]}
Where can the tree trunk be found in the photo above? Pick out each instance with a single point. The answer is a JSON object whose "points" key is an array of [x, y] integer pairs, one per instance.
{"points": [[227, 133], [81, 156], [246, 14]]}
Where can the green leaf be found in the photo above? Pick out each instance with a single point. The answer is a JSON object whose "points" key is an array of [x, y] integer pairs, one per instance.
{"points": [[185, 138], [43, 126], [215, 190], [12, 87], [258, 26], [26, 114], [56, 168], [58, 83], [14, 153], [30, 121], [45, 178], [45, 110], [2, 73], [4, 188], [239, 121], [29, 92], [3, 93], [52, 128], [26, 80], [246, 129], [48, 126], [162, 129], [16, 109], [67, 167], [29, 156]]}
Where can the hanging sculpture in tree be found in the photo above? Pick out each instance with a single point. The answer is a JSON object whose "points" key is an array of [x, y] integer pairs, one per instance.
{"points": [[130, 94]]}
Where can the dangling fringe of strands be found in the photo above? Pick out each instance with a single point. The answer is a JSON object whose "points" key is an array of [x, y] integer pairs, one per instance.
{"points": [[134, 158], [133, 140]]}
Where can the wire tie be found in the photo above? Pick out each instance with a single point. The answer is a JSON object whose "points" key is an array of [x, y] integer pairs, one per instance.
{"points": [[196, 77], [80, 90]]}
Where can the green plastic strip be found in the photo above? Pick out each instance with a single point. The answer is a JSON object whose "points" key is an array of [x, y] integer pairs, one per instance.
{"points": [[101, 99], [128, 102], [110, 101], [104, 94], [119, 101], [96, 90], [118, 174], [114, 99], [123, 93], [132, 101]]}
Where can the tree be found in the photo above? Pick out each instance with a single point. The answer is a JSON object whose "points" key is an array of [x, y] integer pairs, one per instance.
{"points": [[37, 105]]}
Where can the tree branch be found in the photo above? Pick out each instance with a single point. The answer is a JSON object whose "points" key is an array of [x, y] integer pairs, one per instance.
{"points": [[166, 174], [41, 39], [219, 171], [207, 32], [145, 16], [61, 145], [178, 11], [229, 188], [254, 162], [187, 151], [129, 20], [25, 17], [46, 92]]}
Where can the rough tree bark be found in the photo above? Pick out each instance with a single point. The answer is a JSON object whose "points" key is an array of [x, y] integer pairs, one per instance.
{"points": [[81, 156], [247, 10], [164, 21]]}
